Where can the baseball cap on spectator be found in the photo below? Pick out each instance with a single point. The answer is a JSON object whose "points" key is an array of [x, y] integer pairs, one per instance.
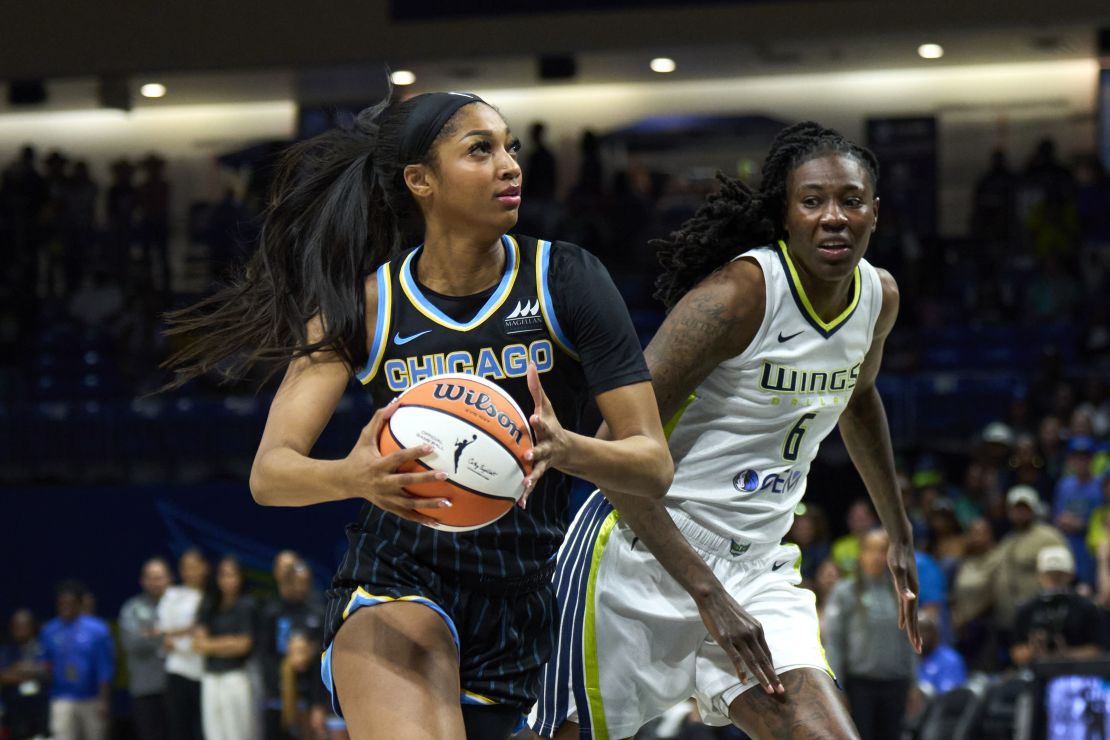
{"points": [[998, 433], [1024, 495], [1081, 445], [1055, 559]]}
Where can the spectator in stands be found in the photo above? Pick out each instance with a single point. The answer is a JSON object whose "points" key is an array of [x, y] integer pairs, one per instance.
{"points": [[121, 209], [225, 637], [1027, 467], [1057, 621], [810, 532], [992, 211], [971, 597], [1078, 494], [541, 172], [80, 205], [295, 610], [81, 655], [1050, 437], [143, 645], [1014, 578], [177, 616], [305, 705], [845, 550], [1098, 531], [944, 540], [23, 677], [1102, 557], [283, 561], [864, 645], [153, 210], [941, 667], [828, 575]]}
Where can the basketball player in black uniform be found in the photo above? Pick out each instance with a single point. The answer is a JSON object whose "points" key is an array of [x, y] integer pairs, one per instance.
{"points": [[457, 617]]}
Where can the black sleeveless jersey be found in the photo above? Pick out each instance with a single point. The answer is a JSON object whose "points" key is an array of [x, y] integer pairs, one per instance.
{"points": [[555, 306]]}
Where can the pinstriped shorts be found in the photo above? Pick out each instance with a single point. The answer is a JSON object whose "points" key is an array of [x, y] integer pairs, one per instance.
{"points": [[504, 632]]}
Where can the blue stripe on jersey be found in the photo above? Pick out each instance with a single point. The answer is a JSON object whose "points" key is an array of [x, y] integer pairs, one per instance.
{"points": [[543, 260], [566, 669], [381, 325], [426, 307]]}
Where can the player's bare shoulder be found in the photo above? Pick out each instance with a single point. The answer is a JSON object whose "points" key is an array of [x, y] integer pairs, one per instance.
{"points": [[891, 298]]}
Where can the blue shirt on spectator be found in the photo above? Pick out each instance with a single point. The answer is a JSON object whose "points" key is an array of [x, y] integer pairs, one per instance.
{"points": [[942, 669], [81, 655], [1080, 499], [932, 590]]}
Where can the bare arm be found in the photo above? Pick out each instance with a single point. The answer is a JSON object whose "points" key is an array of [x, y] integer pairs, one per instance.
{"points": [[715, 321], [222, 646], [863, 426], [283, 473], [633, 458]]}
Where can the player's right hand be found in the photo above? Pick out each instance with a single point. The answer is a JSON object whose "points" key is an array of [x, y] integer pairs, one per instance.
{"points": [[740, 635], [375, 478]]}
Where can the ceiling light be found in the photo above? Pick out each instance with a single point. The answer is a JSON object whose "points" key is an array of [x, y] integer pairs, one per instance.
{"points": [[930, 51], [153, 90], [402, 77], [662, 65]]}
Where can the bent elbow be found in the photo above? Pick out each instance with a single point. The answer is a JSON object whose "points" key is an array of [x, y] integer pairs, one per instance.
{"points": [[665, 475], [259, 490]]}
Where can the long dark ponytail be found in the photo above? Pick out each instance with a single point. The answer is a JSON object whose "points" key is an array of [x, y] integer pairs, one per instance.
{"points": [[338, 209], [738, 218]]}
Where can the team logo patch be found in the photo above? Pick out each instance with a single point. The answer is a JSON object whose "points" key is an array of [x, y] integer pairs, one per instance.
{"points": [[746, 481], [525, 317], [737, 548]]}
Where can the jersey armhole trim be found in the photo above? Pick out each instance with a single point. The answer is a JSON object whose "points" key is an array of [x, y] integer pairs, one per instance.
{"points": [[547, 307], [381, 325], [770, 300]]}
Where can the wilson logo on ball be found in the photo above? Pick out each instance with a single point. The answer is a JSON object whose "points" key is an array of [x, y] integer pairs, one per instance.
{"points": [[480, 402]]}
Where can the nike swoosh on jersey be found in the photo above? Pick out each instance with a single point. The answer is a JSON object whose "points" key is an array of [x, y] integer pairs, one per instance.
{"points": [[398, 339], [778, 565], [787, 339]]}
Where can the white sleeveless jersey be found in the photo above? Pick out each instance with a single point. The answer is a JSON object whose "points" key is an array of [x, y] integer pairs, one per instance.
{"points": [[743, 446]]}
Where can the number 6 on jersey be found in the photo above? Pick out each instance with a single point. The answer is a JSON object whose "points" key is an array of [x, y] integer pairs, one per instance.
{"points": [[794, 437]]}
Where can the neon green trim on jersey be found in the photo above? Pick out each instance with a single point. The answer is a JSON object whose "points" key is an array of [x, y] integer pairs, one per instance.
{"points": [[589, 633]]}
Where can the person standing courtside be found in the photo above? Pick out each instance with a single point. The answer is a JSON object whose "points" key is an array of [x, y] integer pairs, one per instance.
{"points": [[144, 649], [81, 655], [177, 615]]}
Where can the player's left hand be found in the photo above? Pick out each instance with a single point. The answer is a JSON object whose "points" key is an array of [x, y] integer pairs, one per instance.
{"points": [[552, 442], [903, 568]]}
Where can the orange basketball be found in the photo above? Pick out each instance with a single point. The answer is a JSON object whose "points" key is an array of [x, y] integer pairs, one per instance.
{"points": [[478, 436]]}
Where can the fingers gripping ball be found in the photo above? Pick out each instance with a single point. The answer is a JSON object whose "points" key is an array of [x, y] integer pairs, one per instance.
{"points": [[479, 437]]}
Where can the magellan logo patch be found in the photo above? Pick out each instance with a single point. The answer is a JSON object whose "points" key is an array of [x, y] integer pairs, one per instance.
{"points": [[524, 318]]}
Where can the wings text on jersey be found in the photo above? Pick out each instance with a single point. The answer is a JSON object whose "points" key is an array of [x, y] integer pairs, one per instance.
{"points": [[784, 379]]}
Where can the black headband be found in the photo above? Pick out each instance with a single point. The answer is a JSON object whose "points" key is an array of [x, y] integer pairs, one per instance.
{"points": [[429, 114]]}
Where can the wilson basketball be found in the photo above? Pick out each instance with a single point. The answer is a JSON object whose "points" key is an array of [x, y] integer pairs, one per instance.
{"points": [[478, 436]]}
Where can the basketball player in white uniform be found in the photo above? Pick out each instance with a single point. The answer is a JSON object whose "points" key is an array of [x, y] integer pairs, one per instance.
{"points": [[764, 351]]}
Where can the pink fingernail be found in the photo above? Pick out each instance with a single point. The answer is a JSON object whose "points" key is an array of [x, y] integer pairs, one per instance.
{"points": [[441, 475], [528, 455], [444, 504], [426, 449]]}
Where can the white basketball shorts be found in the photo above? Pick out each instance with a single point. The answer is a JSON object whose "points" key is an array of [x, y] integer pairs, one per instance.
{"points": [[631, 641]]}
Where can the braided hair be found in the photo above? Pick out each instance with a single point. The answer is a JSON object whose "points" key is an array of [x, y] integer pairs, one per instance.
{"points": [[738, 218]]}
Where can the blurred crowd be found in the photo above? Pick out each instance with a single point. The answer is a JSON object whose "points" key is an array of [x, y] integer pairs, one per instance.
{"points": [[199, 656], [1011, 517]]}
